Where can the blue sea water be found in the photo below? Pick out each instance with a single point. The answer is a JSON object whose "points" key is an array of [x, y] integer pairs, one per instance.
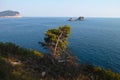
{"points": [[95, 40]]}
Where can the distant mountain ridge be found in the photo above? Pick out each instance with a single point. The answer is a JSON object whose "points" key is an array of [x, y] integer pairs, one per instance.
{"points": [[9, 14]]}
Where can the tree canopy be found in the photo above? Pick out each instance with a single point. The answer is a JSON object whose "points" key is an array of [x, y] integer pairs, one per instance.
{"points": [[56, 40]]}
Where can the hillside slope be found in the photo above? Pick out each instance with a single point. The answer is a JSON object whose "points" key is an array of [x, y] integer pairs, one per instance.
{"points": [[17, 63]]}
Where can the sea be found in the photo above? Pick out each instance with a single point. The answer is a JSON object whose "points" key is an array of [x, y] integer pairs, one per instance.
{"points": [[93, 41]]}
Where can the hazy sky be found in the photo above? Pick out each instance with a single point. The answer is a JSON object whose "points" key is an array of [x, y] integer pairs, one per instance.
{"points": [[63, 8]]}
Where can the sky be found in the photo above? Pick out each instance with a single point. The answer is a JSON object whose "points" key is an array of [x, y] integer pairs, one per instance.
{"points": [[63, 8]]}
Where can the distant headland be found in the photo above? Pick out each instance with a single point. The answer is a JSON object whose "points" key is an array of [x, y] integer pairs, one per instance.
{"points": [[10, 14]]}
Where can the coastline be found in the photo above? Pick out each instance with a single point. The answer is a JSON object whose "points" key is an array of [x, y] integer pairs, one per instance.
{"points": [[10, 16]]}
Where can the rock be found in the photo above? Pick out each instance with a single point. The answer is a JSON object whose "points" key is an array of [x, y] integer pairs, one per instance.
{"points": [[71, 19], [9, 14], [81, 18], [43, 74]]}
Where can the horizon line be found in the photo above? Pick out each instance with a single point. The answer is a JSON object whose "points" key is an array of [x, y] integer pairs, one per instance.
{"points": [[73, 16]]}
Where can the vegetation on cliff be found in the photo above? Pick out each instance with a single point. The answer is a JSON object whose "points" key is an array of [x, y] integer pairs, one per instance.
{"points": [[56, 41]]}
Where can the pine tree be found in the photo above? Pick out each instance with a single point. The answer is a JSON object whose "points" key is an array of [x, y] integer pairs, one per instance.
{"points": [[56, 40]]}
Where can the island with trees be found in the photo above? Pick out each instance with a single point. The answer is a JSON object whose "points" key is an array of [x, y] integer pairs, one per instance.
{"points": [[17, 63], [10, 14]]}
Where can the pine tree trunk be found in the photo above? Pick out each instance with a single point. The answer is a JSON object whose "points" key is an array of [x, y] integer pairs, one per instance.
{"points": [[56, 45]]}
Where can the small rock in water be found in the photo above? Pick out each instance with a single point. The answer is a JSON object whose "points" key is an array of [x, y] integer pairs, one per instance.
{"points": [[71, 19]]}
